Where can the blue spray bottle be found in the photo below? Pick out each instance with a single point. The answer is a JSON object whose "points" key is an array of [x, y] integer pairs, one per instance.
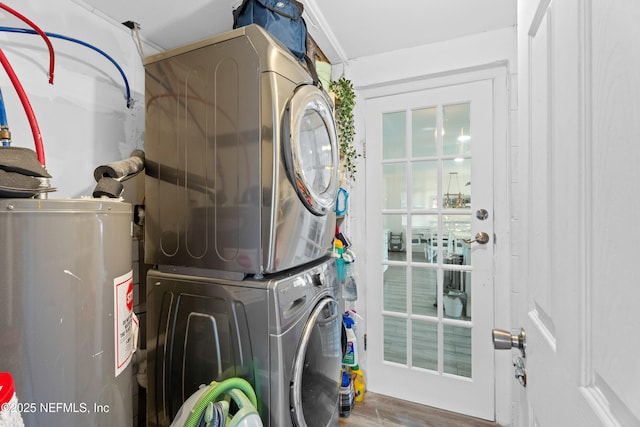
{"points": [[351, 354]]}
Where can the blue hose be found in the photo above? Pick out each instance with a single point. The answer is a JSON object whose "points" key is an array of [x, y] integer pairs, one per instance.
{"points": [[3, 112], [4, 123], [80, 42]]}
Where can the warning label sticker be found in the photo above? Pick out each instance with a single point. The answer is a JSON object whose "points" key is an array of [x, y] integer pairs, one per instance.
{"points": [[123, 318]]}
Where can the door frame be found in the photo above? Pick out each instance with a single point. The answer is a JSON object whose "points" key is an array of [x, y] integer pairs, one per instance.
{"points": [[503, 157]]}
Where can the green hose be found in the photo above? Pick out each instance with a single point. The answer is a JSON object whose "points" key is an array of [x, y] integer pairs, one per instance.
{"points": [[215, 391]]}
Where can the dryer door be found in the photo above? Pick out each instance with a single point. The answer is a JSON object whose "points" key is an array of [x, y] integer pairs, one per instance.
{"points": [[316, 368], [311, 148]]}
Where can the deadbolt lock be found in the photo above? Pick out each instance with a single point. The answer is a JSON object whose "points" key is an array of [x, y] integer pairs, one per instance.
{"points": [[482, 214]]}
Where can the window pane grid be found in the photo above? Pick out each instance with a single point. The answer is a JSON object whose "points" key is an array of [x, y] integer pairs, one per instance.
{"points": [[426, 216]]}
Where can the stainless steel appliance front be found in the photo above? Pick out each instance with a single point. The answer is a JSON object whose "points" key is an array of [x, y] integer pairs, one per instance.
{"points": [[241, 157], [282, 334], [65, 319]]}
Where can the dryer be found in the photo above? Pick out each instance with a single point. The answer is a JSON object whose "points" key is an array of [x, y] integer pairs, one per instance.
{"points": [[241, 158], [282, 334]]}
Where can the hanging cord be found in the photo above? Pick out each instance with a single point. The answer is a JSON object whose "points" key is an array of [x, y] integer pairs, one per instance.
{"points": [[136, 29], [85, 44], [38, 31], [35, 129]]}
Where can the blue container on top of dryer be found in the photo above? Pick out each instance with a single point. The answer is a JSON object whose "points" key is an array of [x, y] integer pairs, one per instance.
{"points": [[241, 158]]}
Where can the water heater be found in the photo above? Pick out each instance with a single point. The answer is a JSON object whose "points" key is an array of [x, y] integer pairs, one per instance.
{"points": [[66, 310]]}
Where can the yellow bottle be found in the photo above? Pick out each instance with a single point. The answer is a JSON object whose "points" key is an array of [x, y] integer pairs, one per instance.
{"points": [[358, 383]]}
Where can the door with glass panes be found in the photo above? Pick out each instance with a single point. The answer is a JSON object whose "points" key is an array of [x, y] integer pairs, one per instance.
{"points": [[430, 285]]}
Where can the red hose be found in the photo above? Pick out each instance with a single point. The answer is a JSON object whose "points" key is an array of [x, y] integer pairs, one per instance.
{"points": [[39, 31], [35, 129]]}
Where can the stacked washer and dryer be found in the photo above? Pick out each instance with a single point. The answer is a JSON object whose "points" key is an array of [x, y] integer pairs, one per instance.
{"points": [[241, 160]]}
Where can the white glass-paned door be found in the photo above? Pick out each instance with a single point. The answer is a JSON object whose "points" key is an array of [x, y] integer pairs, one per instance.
{"points": [[430, 294]]}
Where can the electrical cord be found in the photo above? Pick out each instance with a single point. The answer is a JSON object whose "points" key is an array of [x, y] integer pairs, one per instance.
{"points": [[136, 29]]}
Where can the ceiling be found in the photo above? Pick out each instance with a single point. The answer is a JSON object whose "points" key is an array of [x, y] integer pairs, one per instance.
{"points": [[344, 29]]}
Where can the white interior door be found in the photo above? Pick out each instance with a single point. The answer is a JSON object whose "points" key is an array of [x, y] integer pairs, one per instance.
{"points": [[429, 292], [579, 103]]}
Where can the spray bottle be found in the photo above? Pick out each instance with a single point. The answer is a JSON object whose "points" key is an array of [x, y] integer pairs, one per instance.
{"points": [[351, 354], [346, 395]]}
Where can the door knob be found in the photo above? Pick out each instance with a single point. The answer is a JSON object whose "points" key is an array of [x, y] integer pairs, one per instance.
{"points": [[481, 237], [504, 340]]}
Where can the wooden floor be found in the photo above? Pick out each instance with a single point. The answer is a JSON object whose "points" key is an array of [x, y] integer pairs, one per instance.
{"points": [[377, 410]]}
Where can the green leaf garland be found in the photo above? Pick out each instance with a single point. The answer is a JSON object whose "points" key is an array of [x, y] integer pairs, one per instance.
{"points": [[345, 103]]}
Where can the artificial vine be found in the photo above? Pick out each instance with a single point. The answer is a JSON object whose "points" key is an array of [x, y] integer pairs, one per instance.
{"points": [[345, 102]]}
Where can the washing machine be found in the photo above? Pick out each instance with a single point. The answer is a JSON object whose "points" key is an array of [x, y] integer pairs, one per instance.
{"points": [[241, 158], [282, 333]]}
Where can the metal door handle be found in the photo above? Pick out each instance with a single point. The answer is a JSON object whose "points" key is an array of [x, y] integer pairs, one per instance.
{"points": [[504, 340], [481, 238]]}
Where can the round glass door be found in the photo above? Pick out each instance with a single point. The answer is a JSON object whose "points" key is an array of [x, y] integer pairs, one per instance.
{"points": [[316, 369], [311, 149]]}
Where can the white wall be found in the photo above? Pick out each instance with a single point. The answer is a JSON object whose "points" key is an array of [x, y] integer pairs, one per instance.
{"points": [[83, 116], [407, 70], [435, 58]]}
